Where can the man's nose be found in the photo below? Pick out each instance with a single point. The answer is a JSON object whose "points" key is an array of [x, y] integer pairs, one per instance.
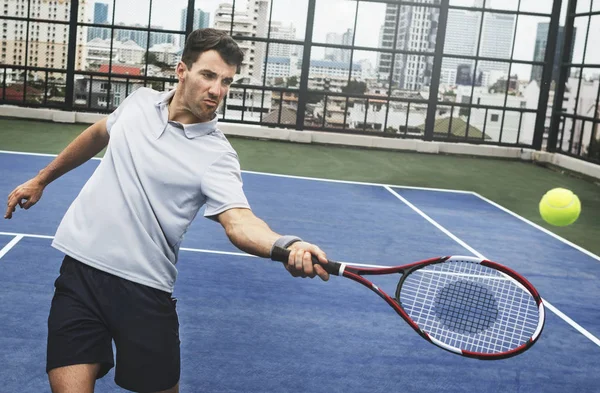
{"points": [[215, 88]]}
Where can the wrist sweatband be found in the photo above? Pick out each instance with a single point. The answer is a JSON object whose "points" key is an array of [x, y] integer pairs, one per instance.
{"points": [[285, 242]]}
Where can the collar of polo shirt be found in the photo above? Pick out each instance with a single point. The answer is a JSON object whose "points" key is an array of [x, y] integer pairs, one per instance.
{"points": [[191, 131]]}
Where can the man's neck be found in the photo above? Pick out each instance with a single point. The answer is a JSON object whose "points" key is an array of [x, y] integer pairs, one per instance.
{"points": [[180, 114]]}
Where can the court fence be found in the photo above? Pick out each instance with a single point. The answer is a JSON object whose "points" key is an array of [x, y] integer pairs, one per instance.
{"points": [[444, 71]]}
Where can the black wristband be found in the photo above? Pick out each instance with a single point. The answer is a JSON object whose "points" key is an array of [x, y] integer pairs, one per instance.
{"points": [[285, 242]]}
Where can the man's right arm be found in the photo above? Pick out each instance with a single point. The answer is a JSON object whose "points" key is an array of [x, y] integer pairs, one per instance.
{"points": [[89, 143]]}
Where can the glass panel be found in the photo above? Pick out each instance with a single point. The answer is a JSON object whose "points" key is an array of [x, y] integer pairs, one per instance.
{"points": [[456, 71], [335, 112], [163, 55], [330, 69], [97, 12], [313, 115], [591, 55], [510, 128], [396, 118], [478, 124], [580, 29], [583, 6], [340, 32], [283, 65], [233, 105], [172, 15], [510, 5], [527, 128], [462, 32], [417, 28], [538, 6], [496, 37], [412, 73], [532, 38], [444, 116], [128, 13], [290, 16], [372, 15], [466, 3]]}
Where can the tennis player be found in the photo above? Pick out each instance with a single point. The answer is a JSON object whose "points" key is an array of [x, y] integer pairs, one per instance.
{"points": [[166, 158]]}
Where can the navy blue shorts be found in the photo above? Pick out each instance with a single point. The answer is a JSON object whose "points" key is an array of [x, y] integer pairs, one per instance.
{"points": [[91, 309]]}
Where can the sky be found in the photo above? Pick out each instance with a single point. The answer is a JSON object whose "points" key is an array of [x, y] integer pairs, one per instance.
{"points": [[338, 15]]}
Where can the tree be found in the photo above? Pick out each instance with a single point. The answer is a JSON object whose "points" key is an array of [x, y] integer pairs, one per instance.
{"points": [[355, 87], [292, 81]]}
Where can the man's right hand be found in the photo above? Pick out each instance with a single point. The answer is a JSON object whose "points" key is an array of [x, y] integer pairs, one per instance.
{"points": [[25, 195]]}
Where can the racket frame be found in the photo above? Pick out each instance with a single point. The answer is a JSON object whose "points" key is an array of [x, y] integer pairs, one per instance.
{"points": [[356, 273]]}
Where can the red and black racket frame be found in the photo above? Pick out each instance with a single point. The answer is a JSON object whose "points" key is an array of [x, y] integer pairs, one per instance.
{"points": [[356, 273]]}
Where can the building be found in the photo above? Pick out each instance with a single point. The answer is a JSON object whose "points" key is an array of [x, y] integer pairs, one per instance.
{"points": [[331, 75], [102, 93], [337, 54], [496, 41], [417, 30], [168, 54], [461, 39], [100, 17], [281, 32], [201, 21], [101, 51], [539, 52], [48, 42], [248, 23]]}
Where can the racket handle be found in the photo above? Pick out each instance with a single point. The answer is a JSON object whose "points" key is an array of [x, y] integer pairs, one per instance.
{"points": [[282, 255]]}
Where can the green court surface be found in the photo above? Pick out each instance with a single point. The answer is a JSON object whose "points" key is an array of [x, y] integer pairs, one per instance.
{"points": [[516, 185]]}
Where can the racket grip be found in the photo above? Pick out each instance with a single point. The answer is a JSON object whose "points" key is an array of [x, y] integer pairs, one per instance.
{"points": [[282, 255]]}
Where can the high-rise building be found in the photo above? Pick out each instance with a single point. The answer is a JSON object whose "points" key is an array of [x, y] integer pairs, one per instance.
{"points": [[100, 13], [251, 22], [417, 29], [281, 32], [101, 17], [201, 20], [539, 52], [461, 39], [40, 44], [336, 54], [496, 41], [462, 34]]}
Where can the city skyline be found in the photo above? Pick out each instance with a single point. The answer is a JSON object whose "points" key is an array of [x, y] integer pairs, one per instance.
{"points": [[370, 19]]}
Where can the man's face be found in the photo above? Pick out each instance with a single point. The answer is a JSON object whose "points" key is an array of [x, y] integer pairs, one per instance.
{"points": [[205, 84]]}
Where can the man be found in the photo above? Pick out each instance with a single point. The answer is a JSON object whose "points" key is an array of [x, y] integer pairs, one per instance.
{"points": [[165, 159]]}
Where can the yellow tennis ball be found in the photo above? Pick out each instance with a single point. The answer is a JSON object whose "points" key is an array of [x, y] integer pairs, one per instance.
{"points": [[560, 207]]}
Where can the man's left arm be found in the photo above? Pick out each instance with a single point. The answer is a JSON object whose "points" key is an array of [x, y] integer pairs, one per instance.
{"points": [[252, 235]]}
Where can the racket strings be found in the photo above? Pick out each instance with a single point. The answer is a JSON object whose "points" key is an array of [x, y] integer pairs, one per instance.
{"points": [[470, 306], [466, 307]]}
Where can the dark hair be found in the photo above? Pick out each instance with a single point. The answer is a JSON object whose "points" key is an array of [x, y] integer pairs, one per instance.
{"points": [[202, 40]]}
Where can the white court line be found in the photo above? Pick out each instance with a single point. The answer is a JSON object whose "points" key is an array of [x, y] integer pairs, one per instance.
{"points": [[10, 245], [388, 187], [285, 176], [556, 311], [380, 185], [575, 246]]}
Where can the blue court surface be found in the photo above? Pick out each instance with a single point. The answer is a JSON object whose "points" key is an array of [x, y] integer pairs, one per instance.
{"points": [[248, 326]]}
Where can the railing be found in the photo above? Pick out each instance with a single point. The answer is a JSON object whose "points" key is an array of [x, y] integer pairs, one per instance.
{"points": [[391, 105]]}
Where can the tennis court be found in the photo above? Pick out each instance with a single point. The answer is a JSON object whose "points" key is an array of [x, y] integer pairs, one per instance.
{"points": [[247, 326]]}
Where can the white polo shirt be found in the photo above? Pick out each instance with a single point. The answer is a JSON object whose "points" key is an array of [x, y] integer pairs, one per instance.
{"points": [[130, 217]]}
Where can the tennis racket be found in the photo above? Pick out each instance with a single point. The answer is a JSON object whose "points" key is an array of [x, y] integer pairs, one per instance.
{"points": [[468, 306]]}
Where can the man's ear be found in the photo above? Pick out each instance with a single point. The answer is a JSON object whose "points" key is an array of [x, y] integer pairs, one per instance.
{"points": [[180, 70]]}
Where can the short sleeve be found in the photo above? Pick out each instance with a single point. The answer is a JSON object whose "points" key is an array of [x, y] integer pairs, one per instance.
{"points": [[222, 186], [114, 116]]}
